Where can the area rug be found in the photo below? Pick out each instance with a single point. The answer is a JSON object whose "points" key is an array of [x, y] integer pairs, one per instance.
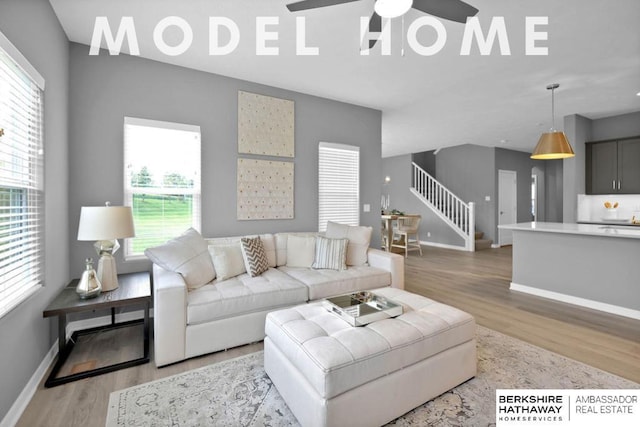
{"points": [[237, 392]]}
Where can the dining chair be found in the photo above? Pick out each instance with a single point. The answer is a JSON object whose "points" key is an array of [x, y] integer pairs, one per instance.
{"points": [[385, 234], [408, 226]]}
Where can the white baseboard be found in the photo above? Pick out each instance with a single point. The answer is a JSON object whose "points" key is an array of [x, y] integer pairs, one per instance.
{"points": [[15, 412], [595, 305], [495, 246], [443, 245]]}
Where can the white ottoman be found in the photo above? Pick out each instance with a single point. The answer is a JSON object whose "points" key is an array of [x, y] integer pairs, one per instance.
{"points": [[333, 374]]}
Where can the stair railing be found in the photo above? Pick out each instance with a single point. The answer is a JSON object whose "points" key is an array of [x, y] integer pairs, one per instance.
{"points": [[454, 211]]}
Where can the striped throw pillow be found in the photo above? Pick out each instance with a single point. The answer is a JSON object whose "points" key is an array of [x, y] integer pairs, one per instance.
{"points": [[255, 257], [331, 254]]}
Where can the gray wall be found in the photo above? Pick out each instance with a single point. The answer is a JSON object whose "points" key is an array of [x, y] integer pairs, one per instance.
{"points": [[578, 130], [622, 126], [107, 88], [25, 336], [426, 160], [432, 228], [470, 172], [554, 196]]}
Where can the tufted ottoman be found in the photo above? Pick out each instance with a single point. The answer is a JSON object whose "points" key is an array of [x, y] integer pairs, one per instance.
{"points": [[332, 374]]}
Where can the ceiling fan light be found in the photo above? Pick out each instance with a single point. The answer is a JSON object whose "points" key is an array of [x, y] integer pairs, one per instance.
{"points": [[392, 8], [552, 145]]}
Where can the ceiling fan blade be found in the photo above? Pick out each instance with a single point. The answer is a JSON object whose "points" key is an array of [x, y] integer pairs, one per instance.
{"points": [[375, 26], [314, 4], [453, 10]]}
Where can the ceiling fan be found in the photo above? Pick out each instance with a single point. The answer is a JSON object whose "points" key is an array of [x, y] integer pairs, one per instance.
{"points": [[453, 10]]}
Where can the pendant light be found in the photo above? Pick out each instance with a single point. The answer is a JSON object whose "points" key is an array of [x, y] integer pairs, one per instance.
{"points": [[392, 8], [553, 144]]}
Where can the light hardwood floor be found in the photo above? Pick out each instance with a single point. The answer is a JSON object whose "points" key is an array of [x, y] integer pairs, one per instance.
{"points": [[476, 282]]}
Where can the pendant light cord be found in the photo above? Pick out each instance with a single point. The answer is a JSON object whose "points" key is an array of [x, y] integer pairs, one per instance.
{"points": [[553, 109], [553, 87]]}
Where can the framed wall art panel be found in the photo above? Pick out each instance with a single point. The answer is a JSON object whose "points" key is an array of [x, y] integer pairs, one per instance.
{"points": [[265, 125], [265, 189]]}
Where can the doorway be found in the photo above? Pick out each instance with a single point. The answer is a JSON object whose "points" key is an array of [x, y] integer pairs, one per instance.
{"points": [[507, 204], [534, 198]]}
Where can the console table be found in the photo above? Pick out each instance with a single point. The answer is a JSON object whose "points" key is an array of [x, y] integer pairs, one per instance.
{"points": [[134, 290]]}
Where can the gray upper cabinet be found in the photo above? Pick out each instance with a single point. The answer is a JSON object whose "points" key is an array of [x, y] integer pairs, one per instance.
{"points": [[613, 167], [629, 166]]}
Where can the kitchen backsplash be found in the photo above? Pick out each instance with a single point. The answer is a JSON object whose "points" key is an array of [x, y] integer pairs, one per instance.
{"points": [[592, 208]]}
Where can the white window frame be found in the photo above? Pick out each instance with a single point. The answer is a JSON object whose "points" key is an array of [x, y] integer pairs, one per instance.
{"points": [[21, 171], [130, 191], [338, 184]]}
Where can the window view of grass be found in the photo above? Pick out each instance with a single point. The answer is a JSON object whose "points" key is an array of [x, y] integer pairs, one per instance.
{"points": [[162, 181], [159, 217]]}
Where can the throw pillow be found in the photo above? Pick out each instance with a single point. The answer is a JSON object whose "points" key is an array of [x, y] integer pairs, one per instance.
{"points": [[331, 254], [186, 254], [227, 260], [359, 240], [255, 257], [301, 251]]}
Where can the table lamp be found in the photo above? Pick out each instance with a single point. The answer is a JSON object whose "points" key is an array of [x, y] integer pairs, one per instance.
{"points": [[105, 225]]}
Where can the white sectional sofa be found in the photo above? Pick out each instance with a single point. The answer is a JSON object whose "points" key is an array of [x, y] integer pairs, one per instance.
{"points": [[228, 312]]}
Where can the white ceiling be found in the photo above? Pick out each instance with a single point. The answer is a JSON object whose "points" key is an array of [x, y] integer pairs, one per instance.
{"points": [[427, 101]]}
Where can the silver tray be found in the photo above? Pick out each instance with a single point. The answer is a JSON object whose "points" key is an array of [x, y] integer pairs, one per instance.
{"points": [[362, 308]]}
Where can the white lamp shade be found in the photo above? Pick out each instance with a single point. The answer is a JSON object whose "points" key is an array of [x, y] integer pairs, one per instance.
{"points": [[105, 223]]}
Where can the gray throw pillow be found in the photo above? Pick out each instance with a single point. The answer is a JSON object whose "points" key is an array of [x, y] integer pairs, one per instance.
{"points": [[331, 254], [255, 257]]}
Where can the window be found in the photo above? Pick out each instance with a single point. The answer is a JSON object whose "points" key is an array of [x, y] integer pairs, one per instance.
{"points": [[21, 178], [161, 182], [338, 184]]}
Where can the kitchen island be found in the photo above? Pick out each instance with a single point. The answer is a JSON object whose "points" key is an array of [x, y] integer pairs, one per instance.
{"points": [[596, 266]]}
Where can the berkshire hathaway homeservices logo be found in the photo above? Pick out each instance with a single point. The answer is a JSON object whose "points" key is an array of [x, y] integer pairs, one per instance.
{"points": [[224, 36], [559, 408]]}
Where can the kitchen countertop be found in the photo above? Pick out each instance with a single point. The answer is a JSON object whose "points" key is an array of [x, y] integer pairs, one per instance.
{"points": [[626, 222], [600, 230]]}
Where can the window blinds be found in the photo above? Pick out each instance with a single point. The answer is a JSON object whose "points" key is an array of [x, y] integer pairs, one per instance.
{"points": [[21, 178], [162, 181], [338, 184]]}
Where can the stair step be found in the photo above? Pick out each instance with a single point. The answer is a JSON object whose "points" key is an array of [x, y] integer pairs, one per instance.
{"points": [[483, 244]]}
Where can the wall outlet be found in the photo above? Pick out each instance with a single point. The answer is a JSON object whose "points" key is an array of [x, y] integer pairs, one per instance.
{"points": [[487, 198], [428, 234], [367, 207]]}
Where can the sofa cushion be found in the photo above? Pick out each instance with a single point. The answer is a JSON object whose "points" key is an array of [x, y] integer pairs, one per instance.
{"points": [[330, 254], [187, 254], [301, 251], [335, 357], [325, 283], [268, 241], [255, 259], [244, 294], [227, 260], [281, 240], [359, 240]]}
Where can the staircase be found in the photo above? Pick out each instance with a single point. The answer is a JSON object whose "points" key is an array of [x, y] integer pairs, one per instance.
{"points": [[460, 216], [482, 243]]}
